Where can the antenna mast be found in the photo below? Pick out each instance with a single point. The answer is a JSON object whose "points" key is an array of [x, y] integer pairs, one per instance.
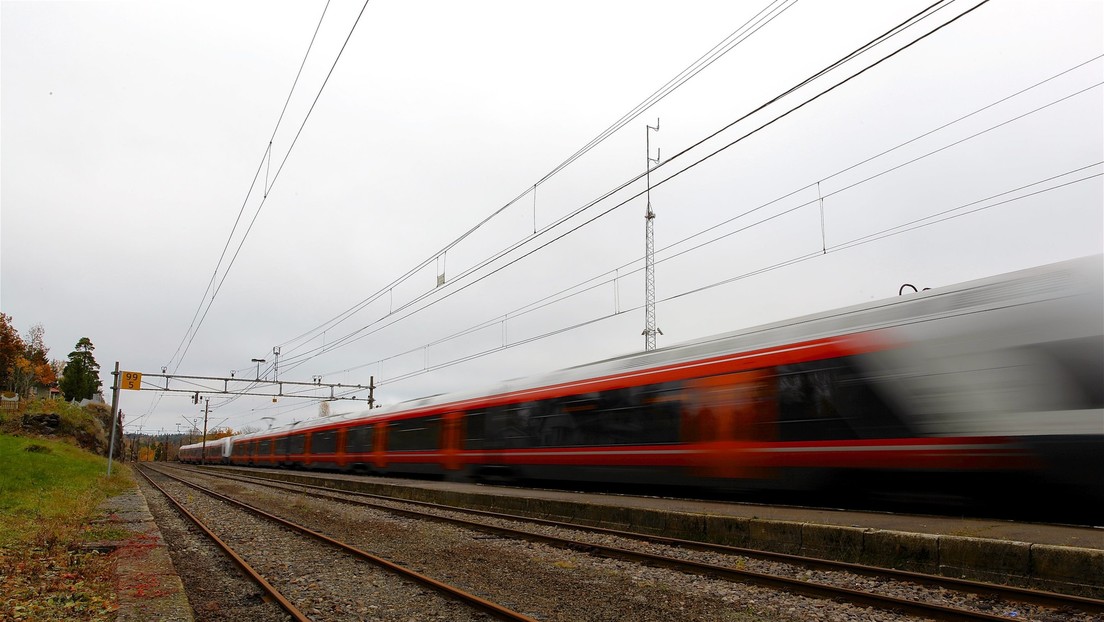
{"points": [[650, 329]]}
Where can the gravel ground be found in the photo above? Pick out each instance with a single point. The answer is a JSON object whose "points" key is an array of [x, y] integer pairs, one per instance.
{"points": [[217, 589], [322, 582], [864, 583], [551, 583], [545, 582]]}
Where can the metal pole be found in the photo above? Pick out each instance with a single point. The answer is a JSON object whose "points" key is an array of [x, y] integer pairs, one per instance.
{"points": [[206, 410], [114, 415], [649, 245]]}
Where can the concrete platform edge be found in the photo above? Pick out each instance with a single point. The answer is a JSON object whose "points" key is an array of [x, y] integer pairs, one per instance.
{"points": [[148, 585]]}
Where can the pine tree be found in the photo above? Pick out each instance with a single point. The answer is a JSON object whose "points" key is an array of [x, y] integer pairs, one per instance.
{"points": [[80, 379]]}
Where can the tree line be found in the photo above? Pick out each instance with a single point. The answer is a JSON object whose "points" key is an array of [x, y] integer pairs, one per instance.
{"points": [[24, 365]]}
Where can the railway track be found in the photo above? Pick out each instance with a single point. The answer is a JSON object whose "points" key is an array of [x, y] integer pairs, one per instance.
{"points": [[476, 604], [929, 596]]}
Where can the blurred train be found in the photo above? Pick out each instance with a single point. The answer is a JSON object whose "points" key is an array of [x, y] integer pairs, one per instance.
{"points": [[994, 386]]}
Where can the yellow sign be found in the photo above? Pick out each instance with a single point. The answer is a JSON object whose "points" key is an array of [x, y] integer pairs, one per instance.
{"points": [[131, 380]]}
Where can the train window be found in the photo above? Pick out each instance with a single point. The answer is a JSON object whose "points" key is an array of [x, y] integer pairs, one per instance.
{"points": [[556, 423], [494, 428], [628, 416], [611, 417], [582, 420], [830, 400], [541, 424], [414, 434], [475, 427], [661, 409], [264, 448], [297, 444], [280, 445], [515, 424], [324, 442], [552, 425], [359, 439]]}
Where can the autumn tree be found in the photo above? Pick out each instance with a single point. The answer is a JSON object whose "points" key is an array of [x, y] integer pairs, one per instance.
{"points": [[80, 379], [11, 350], [42, 373], [218, 433]]}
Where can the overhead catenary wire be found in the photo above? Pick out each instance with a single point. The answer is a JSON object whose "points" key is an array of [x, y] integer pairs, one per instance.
{"points": [[206, 303], [588, 284], [265, 158], [270, 185], [834, 248], [912, 20], [943, 216], [750, 27]]}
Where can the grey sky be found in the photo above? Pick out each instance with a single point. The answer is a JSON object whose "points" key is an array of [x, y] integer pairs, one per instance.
{"points": [[131, 132]]}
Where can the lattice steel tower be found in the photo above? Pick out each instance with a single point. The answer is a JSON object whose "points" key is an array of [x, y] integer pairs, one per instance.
{"points": [[650, 329]]}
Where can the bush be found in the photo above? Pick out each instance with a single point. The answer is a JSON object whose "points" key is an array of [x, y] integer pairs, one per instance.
{"points": [[88, 426], [10, 420]]}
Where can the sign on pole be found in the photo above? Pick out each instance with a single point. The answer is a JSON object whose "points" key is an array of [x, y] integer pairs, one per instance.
{"points": [[131, 380]]}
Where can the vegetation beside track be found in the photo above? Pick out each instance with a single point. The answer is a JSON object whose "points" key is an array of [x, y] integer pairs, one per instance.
{"points": [[49, 492], [87, 426]]}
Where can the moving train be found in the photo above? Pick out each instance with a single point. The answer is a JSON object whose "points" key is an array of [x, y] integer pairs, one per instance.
{"points": [[992, 386]]}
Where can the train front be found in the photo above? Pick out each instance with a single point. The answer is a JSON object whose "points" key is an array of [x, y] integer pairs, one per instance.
{"points": [[1023, 365]]}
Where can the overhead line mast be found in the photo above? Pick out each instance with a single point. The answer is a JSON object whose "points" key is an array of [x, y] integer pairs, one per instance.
{"points": [[650, 329]]}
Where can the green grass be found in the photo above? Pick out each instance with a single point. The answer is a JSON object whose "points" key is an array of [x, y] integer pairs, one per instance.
{"points": [[55, 486], [49, 492]]}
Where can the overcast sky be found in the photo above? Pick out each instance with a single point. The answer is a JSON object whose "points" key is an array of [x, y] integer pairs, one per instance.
{"points": [[132, 133]]}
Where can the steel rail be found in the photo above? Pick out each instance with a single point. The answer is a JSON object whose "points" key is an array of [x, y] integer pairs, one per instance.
{"points": [[1008, 592], [808, 588], [486, 606], [244, 565]]}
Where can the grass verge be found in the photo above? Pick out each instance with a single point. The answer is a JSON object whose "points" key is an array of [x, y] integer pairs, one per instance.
{"points": [[49, 492]]}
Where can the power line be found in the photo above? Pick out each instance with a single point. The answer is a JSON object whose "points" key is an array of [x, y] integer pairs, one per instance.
{"points": [[269, 186], [939, 217], [759, 20], [838, 247], [249, 192], [923, 14], [575, 289], [194, 325], [753, 25], [906, 227], [960, 141]]}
